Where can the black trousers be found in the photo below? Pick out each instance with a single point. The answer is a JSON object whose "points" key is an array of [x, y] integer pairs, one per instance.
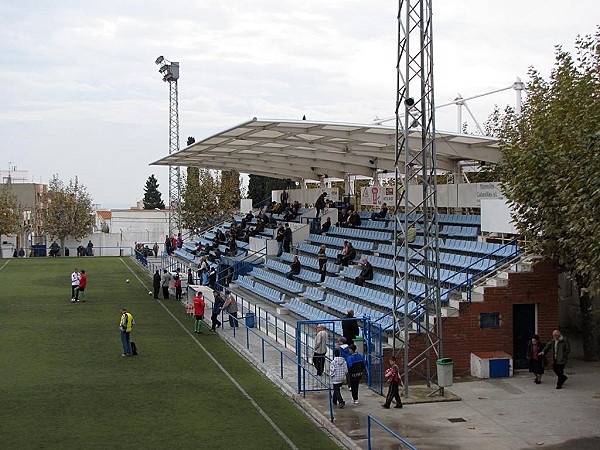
{"points": [[354, 387], [319, 362], [215, 321], [165, 292], [323, 269], [393, 394], [559, 370], [156, 291]]}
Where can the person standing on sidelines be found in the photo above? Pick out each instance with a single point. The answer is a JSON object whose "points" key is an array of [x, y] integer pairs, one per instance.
{"points": [[177, 285], [199, 306], [231, 307], [320, 349], [350, 328], [126, 324], [356, 366], [216, 310], [156, 283], [560, 348], [74, 285], [82, 286], [165, 279]]}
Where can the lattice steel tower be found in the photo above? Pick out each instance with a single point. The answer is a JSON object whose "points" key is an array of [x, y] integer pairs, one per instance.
{"points": [[170, 72], [417, 310]]}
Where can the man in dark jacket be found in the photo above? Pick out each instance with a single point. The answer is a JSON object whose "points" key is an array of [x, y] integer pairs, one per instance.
{"points": [[320, 203], [294, 268], [325, 226], [287, 238], [366, 274], [350, 327], [156, 283], [279, 239], [560, 348]]}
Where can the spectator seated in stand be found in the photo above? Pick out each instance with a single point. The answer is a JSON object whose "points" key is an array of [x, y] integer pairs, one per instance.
{"points": [[325, 226], [410, 235], [249, 216], [232, 251], [366, 273], [295, 268], [348, 254], [382, 214], [354, 220], [343, 216]]}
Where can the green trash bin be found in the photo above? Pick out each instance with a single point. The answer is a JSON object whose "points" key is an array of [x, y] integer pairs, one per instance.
{"points": [[444, 372], [360, 345]]}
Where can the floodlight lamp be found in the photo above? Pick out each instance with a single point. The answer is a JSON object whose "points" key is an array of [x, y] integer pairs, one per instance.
{"points": [[159, 60], [409, 102], [163, 68]]}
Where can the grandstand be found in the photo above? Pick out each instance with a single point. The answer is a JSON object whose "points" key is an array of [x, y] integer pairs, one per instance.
{"points": [[473, 255]]}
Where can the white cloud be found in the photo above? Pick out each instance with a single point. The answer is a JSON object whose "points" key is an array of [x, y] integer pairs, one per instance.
{"points": [[82, 96]]}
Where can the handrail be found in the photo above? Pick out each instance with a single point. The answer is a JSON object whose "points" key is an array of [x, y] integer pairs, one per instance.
{"points": [[370, 419], [469, 282]]}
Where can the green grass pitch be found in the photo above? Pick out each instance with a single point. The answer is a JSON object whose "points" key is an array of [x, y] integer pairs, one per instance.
{"points": [[65, 385]]}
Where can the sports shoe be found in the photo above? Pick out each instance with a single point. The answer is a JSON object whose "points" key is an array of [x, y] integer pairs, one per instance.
{"points": [[72, 300], [342, 405], [398, 406], [355, 402]]}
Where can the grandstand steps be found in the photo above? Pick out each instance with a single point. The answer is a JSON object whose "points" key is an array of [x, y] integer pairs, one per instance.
{"points": [[449, 311], [497, 281]]}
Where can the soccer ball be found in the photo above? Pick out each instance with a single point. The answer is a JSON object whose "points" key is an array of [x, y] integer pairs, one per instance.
{"points": [[127, 280], [149, 292]]}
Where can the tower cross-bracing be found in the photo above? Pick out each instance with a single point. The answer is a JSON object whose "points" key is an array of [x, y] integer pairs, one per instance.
{"points": [[417, 314]]}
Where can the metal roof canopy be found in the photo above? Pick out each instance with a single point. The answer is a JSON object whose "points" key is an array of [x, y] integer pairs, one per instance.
{"points": [[304, 150]]}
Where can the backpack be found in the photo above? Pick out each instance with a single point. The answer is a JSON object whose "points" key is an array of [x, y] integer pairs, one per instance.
{"points": [[356, 371]]}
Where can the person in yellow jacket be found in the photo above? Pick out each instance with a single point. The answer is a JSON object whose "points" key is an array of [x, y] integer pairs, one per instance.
{"points": [[126, 324]]}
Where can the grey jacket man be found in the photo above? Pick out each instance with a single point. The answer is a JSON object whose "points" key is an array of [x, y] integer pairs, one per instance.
{"points": [[559, 349]]}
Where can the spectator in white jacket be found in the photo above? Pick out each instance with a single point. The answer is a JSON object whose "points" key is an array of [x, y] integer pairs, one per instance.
{"points": [[338, 370]]}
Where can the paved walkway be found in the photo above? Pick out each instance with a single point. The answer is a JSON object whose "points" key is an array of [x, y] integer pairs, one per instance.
{"points": [[508, 413]]}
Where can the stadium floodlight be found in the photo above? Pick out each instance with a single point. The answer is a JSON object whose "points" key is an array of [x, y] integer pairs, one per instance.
{"points": [[170, 72]]}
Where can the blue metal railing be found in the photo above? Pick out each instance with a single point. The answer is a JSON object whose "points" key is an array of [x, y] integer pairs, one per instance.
{"points": [[468, 284], [403, 442]]}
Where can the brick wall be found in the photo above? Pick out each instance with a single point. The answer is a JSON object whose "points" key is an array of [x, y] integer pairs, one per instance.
{"points": [[462, 335]]}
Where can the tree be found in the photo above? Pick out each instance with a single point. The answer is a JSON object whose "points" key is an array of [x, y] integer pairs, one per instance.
{"points": [[550, 172], [259, 187], [208, 189], [67, 211], [190, 208], [229, 190], [152, 196], [9, 211], [200, 198]]}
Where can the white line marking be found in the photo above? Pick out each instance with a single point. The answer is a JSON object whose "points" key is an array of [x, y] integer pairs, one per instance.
{"points": [[4, 265], [218, 364]]}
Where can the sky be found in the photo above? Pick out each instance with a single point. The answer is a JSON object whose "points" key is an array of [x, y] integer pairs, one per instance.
{"points": [[81, 95]]}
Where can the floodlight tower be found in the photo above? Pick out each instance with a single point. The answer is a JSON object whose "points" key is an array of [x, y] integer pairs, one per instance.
{"points": [[416, 313], [170, 73]]}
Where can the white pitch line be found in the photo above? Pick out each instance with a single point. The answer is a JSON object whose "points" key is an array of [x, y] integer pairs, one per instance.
{"points": [[218, 364], [4, 265]]}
